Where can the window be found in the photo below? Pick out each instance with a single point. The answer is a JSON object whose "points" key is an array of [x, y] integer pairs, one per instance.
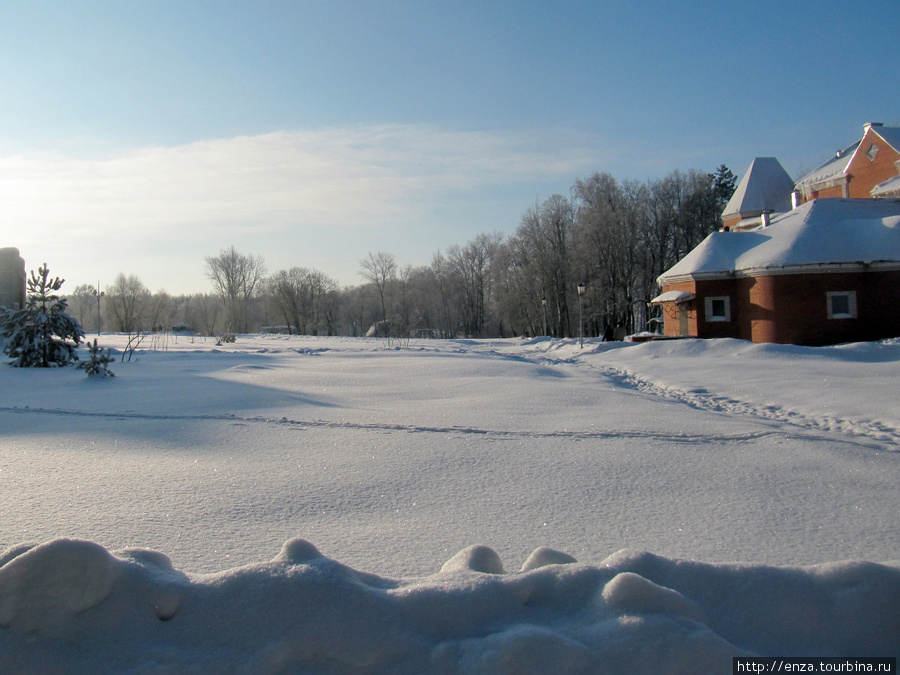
{"points": [[841, 304], [871, 152], [718, 308]]}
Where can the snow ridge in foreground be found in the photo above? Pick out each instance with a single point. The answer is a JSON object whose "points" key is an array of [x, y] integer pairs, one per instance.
{"points": [[74, 602]]}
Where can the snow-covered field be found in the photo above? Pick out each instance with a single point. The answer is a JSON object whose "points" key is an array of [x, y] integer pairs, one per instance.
{"points": [[335, 505]]}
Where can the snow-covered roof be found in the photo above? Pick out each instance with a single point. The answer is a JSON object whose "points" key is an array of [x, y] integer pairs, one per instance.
{"points": [[887, 188], [672, 296], [819, 232], [752, 223], [833, 168], [766, 186], [837, 166], [891, 135]]}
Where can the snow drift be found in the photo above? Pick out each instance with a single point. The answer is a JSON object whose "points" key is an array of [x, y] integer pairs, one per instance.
{"points": [[72, 606], [390, 460]]}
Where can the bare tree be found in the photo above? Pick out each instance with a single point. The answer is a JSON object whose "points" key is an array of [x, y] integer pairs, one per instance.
{"points": [[612, 248], [202, 313], [235, 277], [304, 298], [379, 269], [286, 289], [472, 269], [332, 300], [321, 292], [442, 279], [541, 255], [522, 291], [556, 231], [160, 311], [357, 306], [127, 304], [131, 309], [83, 306]]}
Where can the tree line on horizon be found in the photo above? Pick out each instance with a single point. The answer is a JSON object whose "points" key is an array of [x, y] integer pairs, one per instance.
{"points": [[614, 237]]}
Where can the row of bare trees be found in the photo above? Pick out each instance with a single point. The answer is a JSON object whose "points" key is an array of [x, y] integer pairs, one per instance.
{"points": [[615, 237], [244, 299], [127, 305], [306, 299]]}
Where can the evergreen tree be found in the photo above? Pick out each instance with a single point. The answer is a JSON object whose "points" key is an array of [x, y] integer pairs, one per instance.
{"points": [[98, 361], [41, 335], [724, 184]]}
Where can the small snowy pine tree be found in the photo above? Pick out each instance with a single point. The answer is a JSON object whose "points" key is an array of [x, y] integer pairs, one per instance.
{"points": [[41, 335], [99, 362]]}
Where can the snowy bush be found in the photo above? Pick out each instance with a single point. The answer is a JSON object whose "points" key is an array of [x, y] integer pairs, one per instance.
{"points": [[42, 334], [98, 364]]}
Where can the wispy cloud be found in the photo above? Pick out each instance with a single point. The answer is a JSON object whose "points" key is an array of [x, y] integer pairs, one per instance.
{"points": [[352, 178]]}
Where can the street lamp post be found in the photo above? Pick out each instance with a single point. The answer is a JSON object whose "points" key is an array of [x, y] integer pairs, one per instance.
{"points": [[581, 288], [544, 305]]}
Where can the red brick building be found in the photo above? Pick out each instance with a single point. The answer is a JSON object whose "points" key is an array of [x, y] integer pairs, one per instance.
{"points": [[823, 273], [859, 171]]}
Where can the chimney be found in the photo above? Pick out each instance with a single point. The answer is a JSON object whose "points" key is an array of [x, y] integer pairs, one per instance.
{"points": [[764, 219], [795, 199]]}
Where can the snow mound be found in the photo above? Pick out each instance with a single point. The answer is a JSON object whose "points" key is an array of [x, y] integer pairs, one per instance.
{"points": [[42, 585], [71, 605]]}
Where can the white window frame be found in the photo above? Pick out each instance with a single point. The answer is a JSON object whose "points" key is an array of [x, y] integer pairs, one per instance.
{"points": [[708, 305], [851, 304]]}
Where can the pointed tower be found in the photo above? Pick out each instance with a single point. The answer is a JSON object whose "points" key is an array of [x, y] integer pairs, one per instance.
{"points": [[765, 188]]}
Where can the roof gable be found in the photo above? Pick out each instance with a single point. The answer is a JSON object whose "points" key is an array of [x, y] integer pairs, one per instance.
{"points": [[866, 141], [837, 167]]}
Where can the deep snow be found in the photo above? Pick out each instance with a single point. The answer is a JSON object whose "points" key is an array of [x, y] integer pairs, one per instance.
{"points": [[456, 482]]}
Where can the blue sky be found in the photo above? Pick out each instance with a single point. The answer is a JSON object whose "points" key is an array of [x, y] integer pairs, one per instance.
{"points": [[141, 137]]}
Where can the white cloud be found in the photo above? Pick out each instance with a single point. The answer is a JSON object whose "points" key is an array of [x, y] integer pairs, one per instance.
{"points": [[339, 176], [354, 178]]}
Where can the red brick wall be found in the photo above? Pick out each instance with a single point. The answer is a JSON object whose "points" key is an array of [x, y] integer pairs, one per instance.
{"points": [[801, 313], [833, 191], [718, 329], [671, 319], [792, 308], [865, 173], [759, 304]]}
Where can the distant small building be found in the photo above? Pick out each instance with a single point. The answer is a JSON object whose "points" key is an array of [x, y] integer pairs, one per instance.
{"points": [[12, 279], [859, 171], [825, 272]]}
